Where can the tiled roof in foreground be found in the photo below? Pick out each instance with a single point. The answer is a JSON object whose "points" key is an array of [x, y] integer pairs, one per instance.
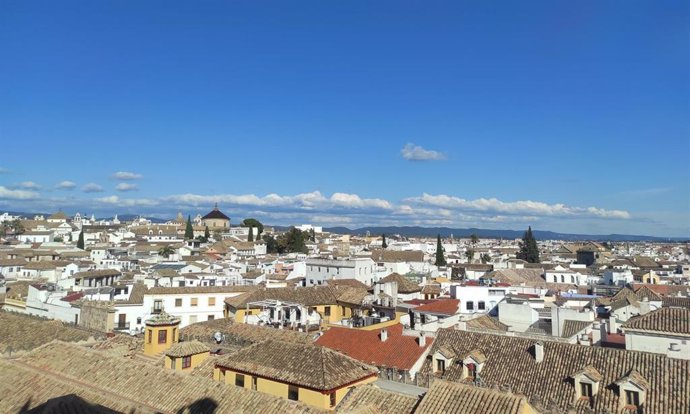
{"points": [[122, 385], [370, 398], [452, 397], [314, 367], [510, 362], [666, 320]]}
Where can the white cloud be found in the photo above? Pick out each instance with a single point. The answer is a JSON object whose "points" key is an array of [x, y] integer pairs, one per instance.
{"points": [[126, 175], [304, 201], [126, 187], [412, 152], [66, 185], [28, 185], [6, 193], [526, 207], [92, 188], [127, 202]]}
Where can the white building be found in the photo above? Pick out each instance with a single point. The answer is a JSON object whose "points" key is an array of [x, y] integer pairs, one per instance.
{"points": [[478, 299], [618, 277], [320, 270], [664, 331]]}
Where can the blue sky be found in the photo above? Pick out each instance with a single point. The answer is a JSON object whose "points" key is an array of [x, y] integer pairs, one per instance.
{"points": [[564, 116]]}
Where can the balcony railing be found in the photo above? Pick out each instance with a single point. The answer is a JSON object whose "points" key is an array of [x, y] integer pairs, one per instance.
{"points": [[122, 327]]}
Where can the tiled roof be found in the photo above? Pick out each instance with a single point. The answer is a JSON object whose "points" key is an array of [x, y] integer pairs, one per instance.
{"points": [[571, 327], [162, 318], [395, 256], [449, 397], [215, 214], [517, 277], [487, 322], [370, 398], [13, 262], [405, 285], [665, 290], [676, 302], [241, 333], [159, 290], [398, 351], [431, 289], [347, 282], [667, 320], [123, 385], [23, 332], [97, 273], [42, 265], [510, 362], [306, 296], [182, 349], [314, 367], [440, 306]]}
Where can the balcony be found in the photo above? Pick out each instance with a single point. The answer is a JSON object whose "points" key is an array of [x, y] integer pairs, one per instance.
{"points": [[122, 327]]}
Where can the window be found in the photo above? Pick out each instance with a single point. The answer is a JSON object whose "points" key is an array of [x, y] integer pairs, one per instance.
{"points": [[211, 301], [327, 311], [173, 363], [481, 305], [562, 278], [332, 396], [211, 317], [585, 390], [440, 365], [180, 283], [239, 380], [178, 302], [472, 371], [162, 336], [255, 383], [139, 320], [293, 393], [186, 362], [157, 306], [150, 336], [632, 398], [195, 301], [470, 305]]}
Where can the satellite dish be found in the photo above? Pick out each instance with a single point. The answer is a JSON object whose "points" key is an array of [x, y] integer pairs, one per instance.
{"points": [[218, 337]]}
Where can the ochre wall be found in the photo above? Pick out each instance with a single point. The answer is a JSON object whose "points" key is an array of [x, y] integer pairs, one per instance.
{"points": [[154, 348], [196, 360]]}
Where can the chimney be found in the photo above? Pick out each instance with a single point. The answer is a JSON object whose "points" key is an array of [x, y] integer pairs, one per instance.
{"points": [[539, 352], [384, 334], [422, 340]]}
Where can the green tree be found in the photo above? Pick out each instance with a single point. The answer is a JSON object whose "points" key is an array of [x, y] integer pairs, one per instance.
{"points": [[252, 222], [529, 251], [469, 254], [485, 258], [313, 235], [474, 239], [440, 258], [58, 239], [189, 230], [207, 234], [80, 241], [271, 244], [166, 251], [251, 234], [17, 226], [383, 241]]}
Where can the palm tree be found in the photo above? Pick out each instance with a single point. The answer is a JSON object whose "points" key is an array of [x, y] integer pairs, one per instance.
{"points": [[166, 251]]}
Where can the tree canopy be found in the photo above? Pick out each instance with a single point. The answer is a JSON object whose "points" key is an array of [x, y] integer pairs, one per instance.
{"points": [[383, 242], [189, 230], [529, 251], [80, 241], [252, 222], [440, 258], [292, 241]]}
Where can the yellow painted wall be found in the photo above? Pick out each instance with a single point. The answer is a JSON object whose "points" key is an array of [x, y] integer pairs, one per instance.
{"points": [[196, 360], [279, 389], [151, 345]]}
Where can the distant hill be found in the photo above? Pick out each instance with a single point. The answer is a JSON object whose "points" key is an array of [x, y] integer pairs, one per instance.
{"points": [[496, 234]]}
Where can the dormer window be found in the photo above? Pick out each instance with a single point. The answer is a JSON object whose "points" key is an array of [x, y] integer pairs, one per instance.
{"points": [[441, 365], [632, 390], [587, 382], [442, 360], [472, 364]]}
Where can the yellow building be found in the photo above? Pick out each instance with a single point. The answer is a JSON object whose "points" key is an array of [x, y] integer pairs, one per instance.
{"points": [[185, 356], [162, 331], [312, 374], [301, 306], [216, 220]]}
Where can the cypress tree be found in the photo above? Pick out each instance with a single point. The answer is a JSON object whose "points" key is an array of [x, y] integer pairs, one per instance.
{"points": [[80, 242], [529, 251], [383, 243], [189, 230], [440, 259], [251, 234], [207, 234]]}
